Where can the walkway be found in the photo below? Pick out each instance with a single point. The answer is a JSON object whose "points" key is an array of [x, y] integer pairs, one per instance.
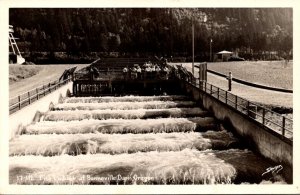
{"points": [[253, 94], [250, 93]]}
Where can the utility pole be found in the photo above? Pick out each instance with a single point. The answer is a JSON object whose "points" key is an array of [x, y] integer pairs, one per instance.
{"points": [[210, 19], [193, 44], [210, 50], [203, 19]]}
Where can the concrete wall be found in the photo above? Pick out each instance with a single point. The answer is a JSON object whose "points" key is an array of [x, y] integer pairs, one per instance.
{"points": [[268, 143], [25, 116]]}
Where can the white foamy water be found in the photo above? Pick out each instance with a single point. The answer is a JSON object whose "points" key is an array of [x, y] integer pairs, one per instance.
{"points": [[159, 125], [186, 166], [75, 144], [124, 99], [125, 114], [124, 105], [111, 140]]}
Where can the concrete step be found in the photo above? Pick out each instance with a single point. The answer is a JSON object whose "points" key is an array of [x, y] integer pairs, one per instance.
{"points": [[122, 126], [77, 144], [125, 105], [125, 99], [123, 114]]}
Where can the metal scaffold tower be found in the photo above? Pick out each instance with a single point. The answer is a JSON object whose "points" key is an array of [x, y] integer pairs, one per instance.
{"points": [[15, 56]]}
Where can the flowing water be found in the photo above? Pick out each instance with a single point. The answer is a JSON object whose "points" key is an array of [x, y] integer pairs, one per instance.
{"points": [[131, 140]]}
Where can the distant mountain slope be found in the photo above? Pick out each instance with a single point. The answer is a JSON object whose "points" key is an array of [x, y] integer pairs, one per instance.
{"points": [[159, 31]]}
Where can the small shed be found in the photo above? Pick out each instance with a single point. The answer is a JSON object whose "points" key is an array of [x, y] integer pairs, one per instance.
{"points": [[224, 55]]}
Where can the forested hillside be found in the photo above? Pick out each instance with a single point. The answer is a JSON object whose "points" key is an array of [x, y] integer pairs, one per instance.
{"points": [[162, 32]]}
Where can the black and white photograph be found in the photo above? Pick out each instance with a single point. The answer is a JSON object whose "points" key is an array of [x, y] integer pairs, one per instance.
{"points": [[191, 97]]}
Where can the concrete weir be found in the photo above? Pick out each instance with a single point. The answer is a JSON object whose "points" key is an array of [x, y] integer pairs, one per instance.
{"points": [[167, 143], [265, 141]]}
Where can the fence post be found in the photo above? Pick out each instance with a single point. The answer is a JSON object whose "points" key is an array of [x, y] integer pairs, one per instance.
{"points": [[19, 100], [248, 110], [283, 125], [200, 85], [44, 90], [205, 86], [37, 93], [200, 70], [263, 116], [218, 93], [211, 92], [226, 97], [29, 98], [49, 87], [235, 102]]}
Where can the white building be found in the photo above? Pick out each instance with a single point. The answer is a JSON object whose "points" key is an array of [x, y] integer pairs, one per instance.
{"points": [[223, 56]]}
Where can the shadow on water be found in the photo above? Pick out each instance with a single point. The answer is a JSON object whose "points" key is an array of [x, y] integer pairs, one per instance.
{"points": [[82, 147], [257, 163], [16, 172], [249, 166]]}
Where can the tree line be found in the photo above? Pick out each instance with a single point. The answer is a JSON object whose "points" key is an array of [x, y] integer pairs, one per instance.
{"points": [[154, 31]]}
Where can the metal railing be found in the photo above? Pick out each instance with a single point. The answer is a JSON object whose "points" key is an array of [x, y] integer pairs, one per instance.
{"points": [[25, 99], [118, 74], [279, 123]]}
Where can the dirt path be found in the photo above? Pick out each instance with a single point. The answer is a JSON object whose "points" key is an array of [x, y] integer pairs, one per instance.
{"points": [[250, 93], [47, 74]]}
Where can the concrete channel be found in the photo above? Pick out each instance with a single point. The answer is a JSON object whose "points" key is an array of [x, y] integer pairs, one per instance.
{"points": [[92, 140]]}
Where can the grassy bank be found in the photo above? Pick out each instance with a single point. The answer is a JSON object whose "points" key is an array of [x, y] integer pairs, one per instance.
{"points": [[271, 73], [19, 72], [32, 76]]}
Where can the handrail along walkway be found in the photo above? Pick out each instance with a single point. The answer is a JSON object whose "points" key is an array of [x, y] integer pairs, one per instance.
{"points": [[27, 98], [269, 119], [280, 124]]}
